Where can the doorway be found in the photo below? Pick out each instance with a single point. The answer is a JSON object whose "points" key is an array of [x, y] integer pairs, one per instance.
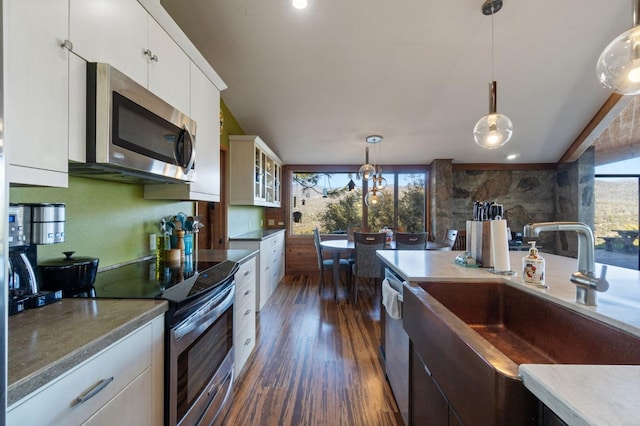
{"points": [[214, 215]]}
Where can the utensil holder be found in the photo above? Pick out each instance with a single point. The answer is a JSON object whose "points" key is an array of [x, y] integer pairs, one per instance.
{"points": [[479, 242]]}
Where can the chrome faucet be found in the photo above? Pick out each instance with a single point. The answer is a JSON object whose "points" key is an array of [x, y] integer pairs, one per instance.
{"points": [[585, 278]]}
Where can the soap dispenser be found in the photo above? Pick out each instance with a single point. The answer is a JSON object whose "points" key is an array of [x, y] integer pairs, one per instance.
{"points": [[533, 267]]}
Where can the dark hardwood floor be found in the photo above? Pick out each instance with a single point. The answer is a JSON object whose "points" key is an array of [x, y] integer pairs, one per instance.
{"points": [[316, 361]]}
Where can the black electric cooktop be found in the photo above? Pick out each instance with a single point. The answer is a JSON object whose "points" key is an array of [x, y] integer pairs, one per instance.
{"points": [[155, 280]]}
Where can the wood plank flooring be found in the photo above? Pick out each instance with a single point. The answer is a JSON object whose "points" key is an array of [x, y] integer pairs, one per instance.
{"points": [[316, 361]]}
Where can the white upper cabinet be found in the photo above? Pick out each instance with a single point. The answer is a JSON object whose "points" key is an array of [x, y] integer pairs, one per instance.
{"points": [[36, 126], [122, 34], [255, 175], [205, 110], [169, 69], [114, 31]]}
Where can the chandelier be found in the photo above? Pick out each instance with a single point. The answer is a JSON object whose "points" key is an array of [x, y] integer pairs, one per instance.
{"points": [[368, 172]]}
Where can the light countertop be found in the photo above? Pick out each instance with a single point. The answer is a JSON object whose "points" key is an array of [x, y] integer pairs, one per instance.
{"points": [[580, 395], [587, 394]]}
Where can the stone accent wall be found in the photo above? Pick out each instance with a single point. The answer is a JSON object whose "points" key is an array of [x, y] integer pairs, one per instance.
{"points": [[562, 194], [527, 196], [575, 199], [441, 188]]}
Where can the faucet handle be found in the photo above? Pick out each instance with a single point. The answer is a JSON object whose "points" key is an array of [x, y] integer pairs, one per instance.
{"points": [[601, 283]]}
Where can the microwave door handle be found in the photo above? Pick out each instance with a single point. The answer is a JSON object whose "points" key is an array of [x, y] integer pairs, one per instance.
{"points": [[184, 143]]}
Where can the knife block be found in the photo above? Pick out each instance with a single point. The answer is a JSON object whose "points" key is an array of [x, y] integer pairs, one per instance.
{"points": [[479, 242]]}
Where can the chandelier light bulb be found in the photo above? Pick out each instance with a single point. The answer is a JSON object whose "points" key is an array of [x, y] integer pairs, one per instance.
{"points": [[493, 130], [374, 198], [380, 183], [366, 172], [618, 66]]}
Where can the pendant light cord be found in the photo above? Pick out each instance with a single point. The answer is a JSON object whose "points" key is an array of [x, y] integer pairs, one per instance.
{"points": [[492, 42]]}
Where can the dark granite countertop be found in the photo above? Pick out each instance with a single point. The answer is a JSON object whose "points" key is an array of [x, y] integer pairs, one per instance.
{"points": [[46, 342], [237, 256], [256, 235]]}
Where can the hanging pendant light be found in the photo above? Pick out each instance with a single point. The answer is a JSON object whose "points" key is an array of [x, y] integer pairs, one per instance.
{"points": [[379, 183], [374, 198], [493, 130], [618, 66], [367, 170]]}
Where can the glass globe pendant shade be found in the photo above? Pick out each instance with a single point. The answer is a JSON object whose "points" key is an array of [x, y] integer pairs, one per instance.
{"points": [[366, 172], [379, 183], [493, 130], [618, 67], [374, 198]]}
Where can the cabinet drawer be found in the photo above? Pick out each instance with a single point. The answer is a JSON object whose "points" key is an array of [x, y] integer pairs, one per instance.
{"points": [[244, 315], [246, 274], [246, 296], [132, 406], [56, 403], [244, 342]]}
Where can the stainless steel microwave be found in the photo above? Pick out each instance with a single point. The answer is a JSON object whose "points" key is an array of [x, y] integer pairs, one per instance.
{"points": [[132, 134]]}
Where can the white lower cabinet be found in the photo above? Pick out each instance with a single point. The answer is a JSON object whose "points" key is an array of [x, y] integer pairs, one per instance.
{"points": [[270, 263], [244, 333], [125, 380]]}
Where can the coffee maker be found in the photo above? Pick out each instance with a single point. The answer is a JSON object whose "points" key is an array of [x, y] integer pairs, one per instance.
{"points": [[30, 225]]}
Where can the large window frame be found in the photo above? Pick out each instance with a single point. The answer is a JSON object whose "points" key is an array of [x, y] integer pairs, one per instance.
{"points": [[289, 170]]}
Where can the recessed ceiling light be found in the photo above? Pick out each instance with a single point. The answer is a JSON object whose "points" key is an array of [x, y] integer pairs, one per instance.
{"points": [[512, 156], [300, 4]]}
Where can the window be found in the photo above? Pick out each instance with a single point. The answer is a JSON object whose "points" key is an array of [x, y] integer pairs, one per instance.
{"points": [[332, 201], [617, 214]]}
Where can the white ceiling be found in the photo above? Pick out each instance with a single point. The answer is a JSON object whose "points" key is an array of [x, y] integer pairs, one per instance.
{"points": [[313, 84]]}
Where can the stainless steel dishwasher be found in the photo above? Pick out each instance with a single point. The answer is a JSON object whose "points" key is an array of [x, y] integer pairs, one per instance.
{"points": [[396, 349]]}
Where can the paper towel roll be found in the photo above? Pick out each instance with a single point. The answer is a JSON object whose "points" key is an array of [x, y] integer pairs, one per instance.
{"points": [[500, 246]]}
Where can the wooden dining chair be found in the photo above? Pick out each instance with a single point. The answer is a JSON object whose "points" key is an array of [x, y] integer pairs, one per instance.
{"points": [[327, 264], [367, 264], [411, 240], [355, 228]]}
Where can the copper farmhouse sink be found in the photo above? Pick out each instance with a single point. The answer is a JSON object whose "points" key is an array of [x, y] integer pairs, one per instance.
{"points": [[473, 337], [532, 330]]}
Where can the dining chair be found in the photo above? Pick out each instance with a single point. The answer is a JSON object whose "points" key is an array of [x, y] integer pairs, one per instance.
{"points": [[411, 240], [355, 228], [461, 240], [367, 264], [450, 237], [327, 264]]}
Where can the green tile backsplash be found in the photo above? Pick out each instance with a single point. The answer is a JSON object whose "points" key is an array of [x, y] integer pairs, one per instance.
{"points": [[108, 220]]}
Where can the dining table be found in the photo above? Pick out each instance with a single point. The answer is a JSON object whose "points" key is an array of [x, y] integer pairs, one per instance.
{"points": [[346, 247]]}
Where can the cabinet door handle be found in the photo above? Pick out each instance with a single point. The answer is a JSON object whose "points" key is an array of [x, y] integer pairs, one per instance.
{"points": [[246, 342], [67, 45], [247, 273], [248, 292], [96, 389], [150, 54], [247, 312]]}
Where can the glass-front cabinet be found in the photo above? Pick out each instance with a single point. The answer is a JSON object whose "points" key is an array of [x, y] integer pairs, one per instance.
{"points": [[255, 172]]}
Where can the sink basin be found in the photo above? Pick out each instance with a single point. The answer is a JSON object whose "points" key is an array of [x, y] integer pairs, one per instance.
{"points": [[532, 330], [473, 336]]}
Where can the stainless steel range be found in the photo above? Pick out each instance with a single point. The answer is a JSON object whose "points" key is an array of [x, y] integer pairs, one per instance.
{"points": [[199, 370]]}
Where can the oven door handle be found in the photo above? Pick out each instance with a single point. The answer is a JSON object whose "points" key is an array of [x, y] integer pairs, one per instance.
{"points": [[188, 330], [226, 385]]}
